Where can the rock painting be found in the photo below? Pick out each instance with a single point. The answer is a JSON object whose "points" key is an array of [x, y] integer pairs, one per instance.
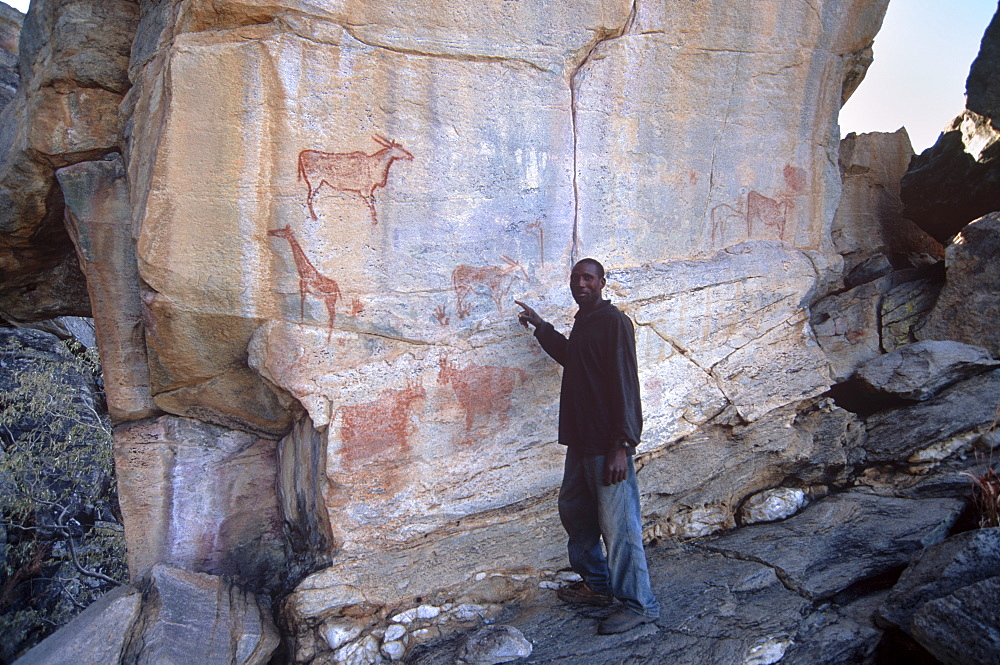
{"points": [[759, 211], [356, 307], [481, 391], [494, 281], [535, 229], [349, 172], [441, 314], [380, 428], [311, 281]]}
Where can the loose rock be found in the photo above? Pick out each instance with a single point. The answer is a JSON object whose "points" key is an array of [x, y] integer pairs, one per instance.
{"points": [[968, 307], [492, 645], [962, 628], [939, 570], [921, 370], [771, 505], [809, 551]]}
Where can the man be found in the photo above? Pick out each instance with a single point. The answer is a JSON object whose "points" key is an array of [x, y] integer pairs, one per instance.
{"points": [[600, 421]]}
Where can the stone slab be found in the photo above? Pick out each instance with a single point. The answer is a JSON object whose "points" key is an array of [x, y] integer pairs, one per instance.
{"points": [[97, 636], [844, 539]]}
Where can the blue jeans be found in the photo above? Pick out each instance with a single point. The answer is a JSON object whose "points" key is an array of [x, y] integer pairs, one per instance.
{"points": [[591, 511]]}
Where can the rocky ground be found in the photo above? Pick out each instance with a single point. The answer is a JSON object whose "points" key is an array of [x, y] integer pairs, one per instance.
{"points": [[805, 590]]}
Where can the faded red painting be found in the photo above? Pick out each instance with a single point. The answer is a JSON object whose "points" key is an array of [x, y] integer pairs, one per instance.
{"points": [[374, 446], [483, 391], [378, 429], [349, 172], [494, 281], [441, 314], [535, 229], [760, 212]]}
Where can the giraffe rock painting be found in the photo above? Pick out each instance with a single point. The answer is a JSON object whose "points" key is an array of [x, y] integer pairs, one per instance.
{"points": [[349, 172], [311, 281], [493, 280], [481, 390]]}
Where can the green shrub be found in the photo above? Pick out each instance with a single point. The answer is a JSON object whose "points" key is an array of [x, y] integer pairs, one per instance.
{"points": [[61, 540]]}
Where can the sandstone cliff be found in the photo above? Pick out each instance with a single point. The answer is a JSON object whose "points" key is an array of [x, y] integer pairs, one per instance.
{"points": [[302, 225]]}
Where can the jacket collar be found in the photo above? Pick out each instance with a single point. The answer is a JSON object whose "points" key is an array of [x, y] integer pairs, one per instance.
{"points": [[601, 306]]}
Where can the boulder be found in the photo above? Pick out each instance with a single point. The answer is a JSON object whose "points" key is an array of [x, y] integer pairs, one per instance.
{"points": [[771, 505], [968, 304], [920, 371], [983, 92], [192, 617], [65, 111], [810, 444], [905, 308], [97, 636], [939, 570], [846, 327], [99, 222], [79, 328], [962, 628], [869, 224], [933, 430], [202, 498], [958, 179], [808, 551], [176, 617], [492, 645], [842, 636], [863, 322]]}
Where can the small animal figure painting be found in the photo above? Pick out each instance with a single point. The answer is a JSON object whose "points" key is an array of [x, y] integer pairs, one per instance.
{"points": [[761, 212], [311, 281], [535, 229], [493, 280], [482, 390], [380, 428], [765, 211], [349, 172]]}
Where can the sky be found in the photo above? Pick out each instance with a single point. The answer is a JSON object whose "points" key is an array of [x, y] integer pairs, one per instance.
{"points": [[922, 57]]}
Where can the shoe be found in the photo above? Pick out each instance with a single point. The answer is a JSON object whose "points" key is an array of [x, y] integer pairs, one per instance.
{"points": [[579, 592], [621, 621]]}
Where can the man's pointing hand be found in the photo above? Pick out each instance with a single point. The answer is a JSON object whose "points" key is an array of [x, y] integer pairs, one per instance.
{"points": [[528, 316]]}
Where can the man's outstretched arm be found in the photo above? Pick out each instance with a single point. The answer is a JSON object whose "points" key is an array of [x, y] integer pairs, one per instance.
{"points": [[553, 342]]}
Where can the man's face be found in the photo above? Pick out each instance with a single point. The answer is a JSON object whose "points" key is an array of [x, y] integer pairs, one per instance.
{"points": [[585, 285]]}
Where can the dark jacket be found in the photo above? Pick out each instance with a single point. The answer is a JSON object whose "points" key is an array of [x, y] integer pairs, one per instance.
{"points": [[599, 403]]}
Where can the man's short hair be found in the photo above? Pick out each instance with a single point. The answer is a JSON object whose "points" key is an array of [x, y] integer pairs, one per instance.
{"points": [[595, 263]]}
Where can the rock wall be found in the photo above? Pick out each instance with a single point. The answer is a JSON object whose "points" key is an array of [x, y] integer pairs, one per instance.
{"points": [[65, 111], [339, 241], [10, 31], [303, 225]]}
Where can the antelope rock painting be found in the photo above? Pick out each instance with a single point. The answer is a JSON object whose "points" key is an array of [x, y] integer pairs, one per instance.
{"points": [[349, 172], [494, 280]]}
